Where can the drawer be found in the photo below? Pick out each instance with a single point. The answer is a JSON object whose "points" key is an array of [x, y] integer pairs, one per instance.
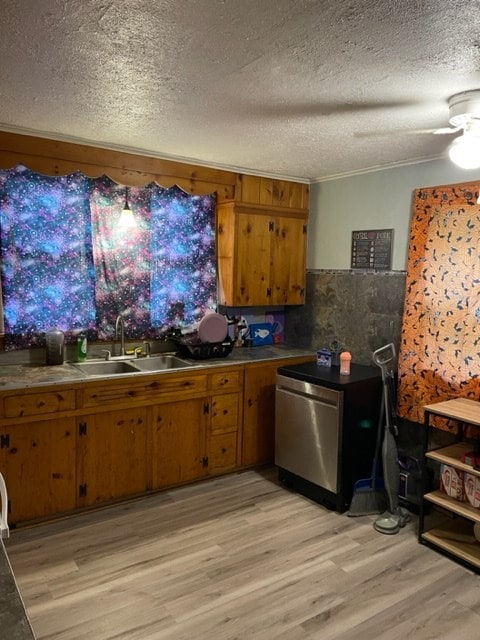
{"points": [[32, 404], [225, 381], [222, 452], [224, 413], [162, 388]]}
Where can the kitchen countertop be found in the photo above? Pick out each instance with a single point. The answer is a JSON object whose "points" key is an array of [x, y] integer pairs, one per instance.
{"points": [[14, 623], [21, 376]]}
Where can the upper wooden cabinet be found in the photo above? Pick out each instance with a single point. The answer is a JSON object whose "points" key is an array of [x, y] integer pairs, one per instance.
{"points": [[261, 243], [261, 256], [271, 192]]}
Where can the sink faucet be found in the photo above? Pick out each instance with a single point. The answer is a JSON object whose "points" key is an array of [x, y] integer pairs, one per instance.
{"points": [[120, 324]]}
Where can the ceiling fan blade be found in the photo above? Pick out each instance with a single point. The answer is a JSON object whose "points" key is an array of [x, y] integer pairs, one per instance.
{"points": [[317, 108], [445, 130], [405, 132]]}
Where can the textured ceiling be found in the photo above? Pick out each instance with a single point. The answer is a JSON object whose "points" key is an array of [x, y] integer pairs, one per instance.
{"points": [[297, 88]]}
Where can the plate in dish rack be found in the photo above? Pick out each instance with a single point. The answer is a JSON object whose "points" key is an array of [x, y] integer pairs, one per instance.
{"points": [[213, 328]]}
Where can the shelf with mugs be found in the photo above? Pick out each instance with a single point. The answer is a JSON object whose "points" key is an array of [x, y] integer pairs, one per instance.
{"points": [[450, 512]]}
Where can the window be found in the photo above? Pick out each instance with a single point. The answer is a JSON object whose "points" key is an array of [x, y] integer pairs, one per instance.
{"points": [[66, 262]]}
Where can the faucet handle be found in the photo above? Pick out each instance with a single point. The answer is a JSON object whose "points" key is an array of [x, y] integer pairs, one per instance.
{"points": [[107, 353], [148, 348]]}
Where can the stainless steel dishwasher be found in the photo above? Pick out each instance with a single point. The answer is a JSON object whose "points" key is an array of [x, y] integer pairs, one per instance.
{"points": [[325, 428], [308, 431]]}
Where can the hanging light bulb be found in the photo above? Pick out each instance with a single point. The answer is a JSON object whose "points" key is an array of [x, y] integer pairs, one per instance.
{"points": [[127, 219]]}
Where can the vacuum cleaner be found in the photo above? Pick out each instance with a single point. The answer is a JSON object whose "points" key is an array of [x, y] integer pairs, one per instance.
{"points": [[395, 517]]}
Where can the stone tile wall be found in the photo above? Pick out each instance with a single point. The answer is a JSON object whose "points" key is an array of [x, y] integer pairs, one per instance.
{"points": [[361, 309]]}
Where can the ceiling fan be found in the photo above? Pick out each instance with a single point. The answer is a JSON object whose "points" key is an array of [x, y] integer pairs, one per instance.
{"points": [[464, 150], [464, 116]]}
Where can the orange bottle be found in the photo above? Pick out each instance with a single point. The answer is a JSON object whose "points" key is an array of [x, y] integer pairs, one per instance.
{"points": [[345, 360]]}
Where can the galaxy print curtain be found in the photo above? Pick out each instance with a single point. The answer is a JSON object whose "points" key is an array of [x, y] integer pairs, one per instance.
{"points": [[46, 249], [122, 259], [183, 262], [67, 263], [439, 356]]}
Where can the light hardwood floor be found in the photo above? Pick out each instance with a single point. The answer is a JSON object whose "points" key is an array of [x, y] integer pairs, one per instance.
{"points": [[235, 558]]}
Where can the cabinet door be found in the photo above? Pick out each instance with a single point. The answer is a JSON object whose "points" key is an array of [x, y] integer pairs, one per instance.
{"points": [[253, 259], [112, 455], [222, 452], [38, 462], [223, 433], [179, 442], [259, 414], [288, 261], [224, 413]]}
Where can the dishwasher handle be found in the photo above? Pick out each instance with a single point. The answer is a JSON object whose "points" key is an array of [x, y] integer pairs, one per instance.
{"points": [[307, 389]]}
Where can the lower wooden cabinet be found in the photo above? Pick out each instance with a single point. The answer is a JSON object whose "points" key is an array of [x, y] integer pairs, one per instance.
{"points": [[224, 433], [178, 442], [111, 455], [38, 462], [107, 440], [194, 439]]}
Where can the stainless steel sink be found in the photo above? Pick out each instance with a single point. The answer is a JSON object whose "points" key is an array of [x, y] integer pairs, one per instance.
{"points": [[160, 363], [106, 367], [121, 365]]}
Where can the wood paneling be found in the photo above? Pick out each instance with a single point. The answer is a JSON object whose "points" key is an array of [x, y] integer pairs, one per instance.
{"points": [[53, 157]]}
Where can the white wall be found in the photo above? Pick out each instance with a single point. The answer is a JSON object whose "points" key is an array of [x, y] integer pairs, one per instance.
{"points": [[375, 200]]}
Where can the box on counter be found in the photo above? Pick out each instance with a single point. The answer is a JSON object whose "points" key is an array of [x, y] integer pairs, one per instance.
{"points": [[451, 482], [261, 333], [471, 485], [324, 357]]}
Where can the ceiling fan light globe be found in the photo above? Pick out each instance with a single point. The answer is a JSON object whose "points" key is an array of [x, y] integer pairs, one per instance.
{"points": [[464, 151]]}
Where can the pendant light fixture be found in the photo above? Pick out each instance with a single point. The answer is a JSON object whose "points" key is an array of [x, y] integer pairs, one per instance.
{"points": [[127, 219]]}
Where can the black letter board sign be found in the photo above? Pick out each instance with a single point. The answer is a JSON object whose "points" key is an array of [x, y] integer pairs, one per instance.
{"points": [[372, 249]]}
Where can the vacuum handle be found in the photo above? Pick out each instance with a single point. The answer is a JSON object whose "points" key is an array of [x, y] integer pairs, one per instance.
{"points": [[384, 355]]}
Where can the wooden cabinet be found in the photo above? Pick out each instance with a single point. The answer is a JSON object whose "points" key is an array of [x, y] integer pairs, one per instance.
{"points": [[261, 255], [178, 443], [199, 437], [449, 525], [258, 439], [97, 442], [111, 455], [38, 462]]}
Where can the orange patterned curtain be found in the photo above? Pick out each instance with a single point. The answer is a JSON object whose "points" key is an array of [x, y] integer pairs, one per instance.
{"points": [[439, 355]]}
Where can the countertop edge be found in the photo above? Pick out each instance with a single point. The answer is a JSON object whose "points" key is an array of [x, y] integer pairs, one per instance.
{"points": [[25, 376]]}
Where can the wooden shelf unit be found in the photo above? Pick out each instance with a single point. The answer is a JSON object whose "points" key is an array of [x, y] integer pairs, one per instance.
{"points": [[453, 533]]}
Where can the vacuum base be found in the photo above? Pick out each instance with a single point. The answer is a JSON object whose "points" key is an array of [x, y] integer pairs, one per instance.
{"points": [[391, 523]]}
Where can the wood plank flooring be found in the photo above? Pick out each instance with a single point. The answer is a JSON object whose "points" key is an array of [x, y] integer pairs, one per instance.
{"points": [[235, 558]]}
